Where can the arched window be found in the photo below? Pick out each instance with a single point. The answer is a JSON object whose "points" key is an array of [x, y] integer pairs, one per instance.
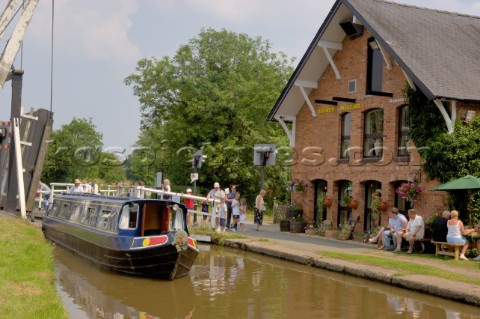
{"points": [[403, 128], [345, 136], [373, 134], [344, 196]]}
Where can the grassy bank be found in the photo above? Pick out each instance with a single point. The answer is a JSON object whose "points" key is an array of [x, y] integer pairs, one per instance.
{"points": [[27, 287], [410, 268]]}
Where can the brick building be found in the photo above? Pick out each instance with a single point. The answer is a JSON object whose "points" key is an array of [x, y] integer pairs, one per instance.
{"points": [[344, 110]]}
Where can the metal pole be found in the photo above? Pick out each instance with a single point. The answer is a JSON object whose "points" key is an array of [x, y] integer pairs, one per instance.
{"points": [[262, 175], [194, 193]]}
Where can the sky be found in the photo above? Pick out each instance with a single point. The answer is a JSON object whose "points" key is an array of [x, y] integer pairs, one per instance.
{"points": [[97, 43]]}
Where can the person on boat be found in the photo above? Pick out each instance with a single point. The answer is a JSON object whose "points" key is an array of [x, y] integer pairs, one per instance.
{"points": [[45, 192], [77, 188]]}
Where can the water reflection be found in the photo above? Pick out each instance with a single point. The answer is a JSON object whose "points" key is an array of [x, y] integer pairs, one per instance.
{"points": [[90, 292], [227, 283]]}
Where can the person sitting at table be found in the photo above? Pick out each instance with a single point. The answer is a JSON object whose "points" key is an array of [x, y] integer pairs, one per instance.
{"points": [[415, 231], [455, 232], [396, 223], [439, 227], [477, 229]]}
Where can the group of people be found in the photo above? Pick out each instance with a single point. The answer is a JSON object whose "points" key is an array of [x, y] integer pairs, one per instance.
{"points": [[399, 229], [447, 228], [230, 210]]}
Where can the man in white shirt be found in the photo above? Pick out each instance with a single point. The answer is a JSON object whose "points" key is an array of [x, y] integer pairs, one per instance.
{"points": [[415, 229], [77, 188]]}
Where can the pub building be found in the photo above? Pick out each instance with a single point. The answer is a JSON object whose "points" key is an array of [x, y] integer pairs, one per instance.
{"points": [[344, 108]]}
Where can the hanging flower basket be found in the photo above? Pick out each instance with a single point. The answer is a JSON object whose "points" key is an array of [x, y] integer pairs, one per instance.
{"points": [[327, 202], [409, 191], [353, 204], [383, 207]]}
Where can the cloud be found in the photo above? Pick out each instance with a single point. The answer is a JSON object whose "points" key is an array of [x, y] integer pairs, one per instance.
{"points": [[240, 12], [88, 28]]}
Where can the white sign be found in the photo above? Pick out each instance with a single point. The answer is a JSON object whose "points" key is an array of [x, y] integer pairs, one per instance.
{"points": [[193, 177]]}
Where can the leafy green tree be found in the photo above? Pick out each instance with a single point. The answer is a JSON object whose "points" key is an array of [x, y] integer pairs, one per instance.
{"points": [[110, 169], [76, 152], [446, 156], [214, 95]]}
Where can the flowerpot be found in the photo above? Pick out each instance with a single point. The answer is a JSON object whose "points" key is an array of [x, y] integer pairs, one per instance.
{"points": [[284, 225], [293, 213], [311, 231], [327, 202], [331, 233], [353, 204], [297, 227], [382, 207]]}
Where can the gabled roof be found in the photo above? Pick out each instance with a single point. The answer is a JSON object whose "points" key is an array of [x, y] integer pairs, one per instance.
{"points": [[438, 50]]}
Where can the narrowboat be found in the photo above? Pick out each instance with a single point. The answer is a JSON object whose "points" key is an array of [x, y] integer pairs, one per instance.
{"points": [[147, 237]]}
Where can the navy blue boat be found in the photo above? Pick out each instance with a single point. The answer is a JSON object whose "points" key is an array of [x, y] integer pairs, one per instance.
{"points": [[145, 237]]}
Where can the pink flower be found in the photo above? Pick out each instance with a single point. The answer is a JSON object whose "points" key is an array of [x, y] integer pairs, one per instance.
{"points": [[409, 191]]}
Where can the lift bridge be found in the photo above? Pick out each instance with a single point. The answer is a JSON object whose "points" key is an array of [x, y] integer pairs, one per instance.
{"points": [[23, 137]]}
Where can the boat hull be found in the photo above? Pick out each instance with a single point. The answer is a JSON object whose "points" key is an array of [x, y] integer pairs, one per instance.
{"points": [[167, 255]]}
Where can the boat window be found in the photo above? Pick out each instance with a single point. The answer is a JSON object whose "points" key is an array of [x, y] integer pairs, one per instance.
{"points": [[75, 212], [55, 209], [129, 217], [176, 218], [106, 219], [90, 216], [65, 211]]}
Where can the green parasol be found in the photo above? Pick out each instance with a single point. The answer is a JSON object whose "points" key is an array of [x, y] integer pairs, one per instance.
{"points": [[467, 183]]}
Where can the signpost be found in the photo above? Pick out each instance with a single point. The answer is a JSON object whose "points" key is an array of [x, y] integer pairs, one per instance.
{"points": [[197, 162], [264, 155]]}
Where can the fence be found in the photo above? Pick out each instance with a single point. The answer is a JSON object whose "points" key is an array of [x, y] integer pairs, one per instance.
{"points": [[126, 191]]}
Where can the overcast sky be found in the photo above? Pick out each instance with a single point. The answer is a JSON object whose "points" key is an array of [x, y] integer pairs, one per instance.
{"points": [[98, 42]]}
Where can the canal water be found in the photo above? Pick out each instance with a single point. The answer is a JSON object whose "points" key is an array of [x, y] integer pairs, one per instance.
{"points": [[230, 283]]}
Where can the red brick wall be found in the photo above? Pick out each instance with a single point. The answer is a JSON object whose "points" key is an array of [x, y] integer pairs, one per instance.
{"points": [[323, 134]]}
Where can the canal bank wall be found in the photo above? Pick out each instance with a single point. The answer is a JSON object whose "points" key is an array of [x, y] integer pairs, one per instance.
{"points": [[293, 247]]}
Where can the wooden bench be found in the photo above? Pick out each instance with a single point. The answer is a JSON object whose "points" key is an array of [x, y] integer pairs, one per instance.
{"points": [[419, 245], [449, 249]]}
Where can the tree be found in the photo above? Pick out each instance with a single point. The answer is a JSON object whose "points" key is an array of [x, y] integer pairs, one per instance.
{"points": [[76, 152], [214, 95], [446, 156]]}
